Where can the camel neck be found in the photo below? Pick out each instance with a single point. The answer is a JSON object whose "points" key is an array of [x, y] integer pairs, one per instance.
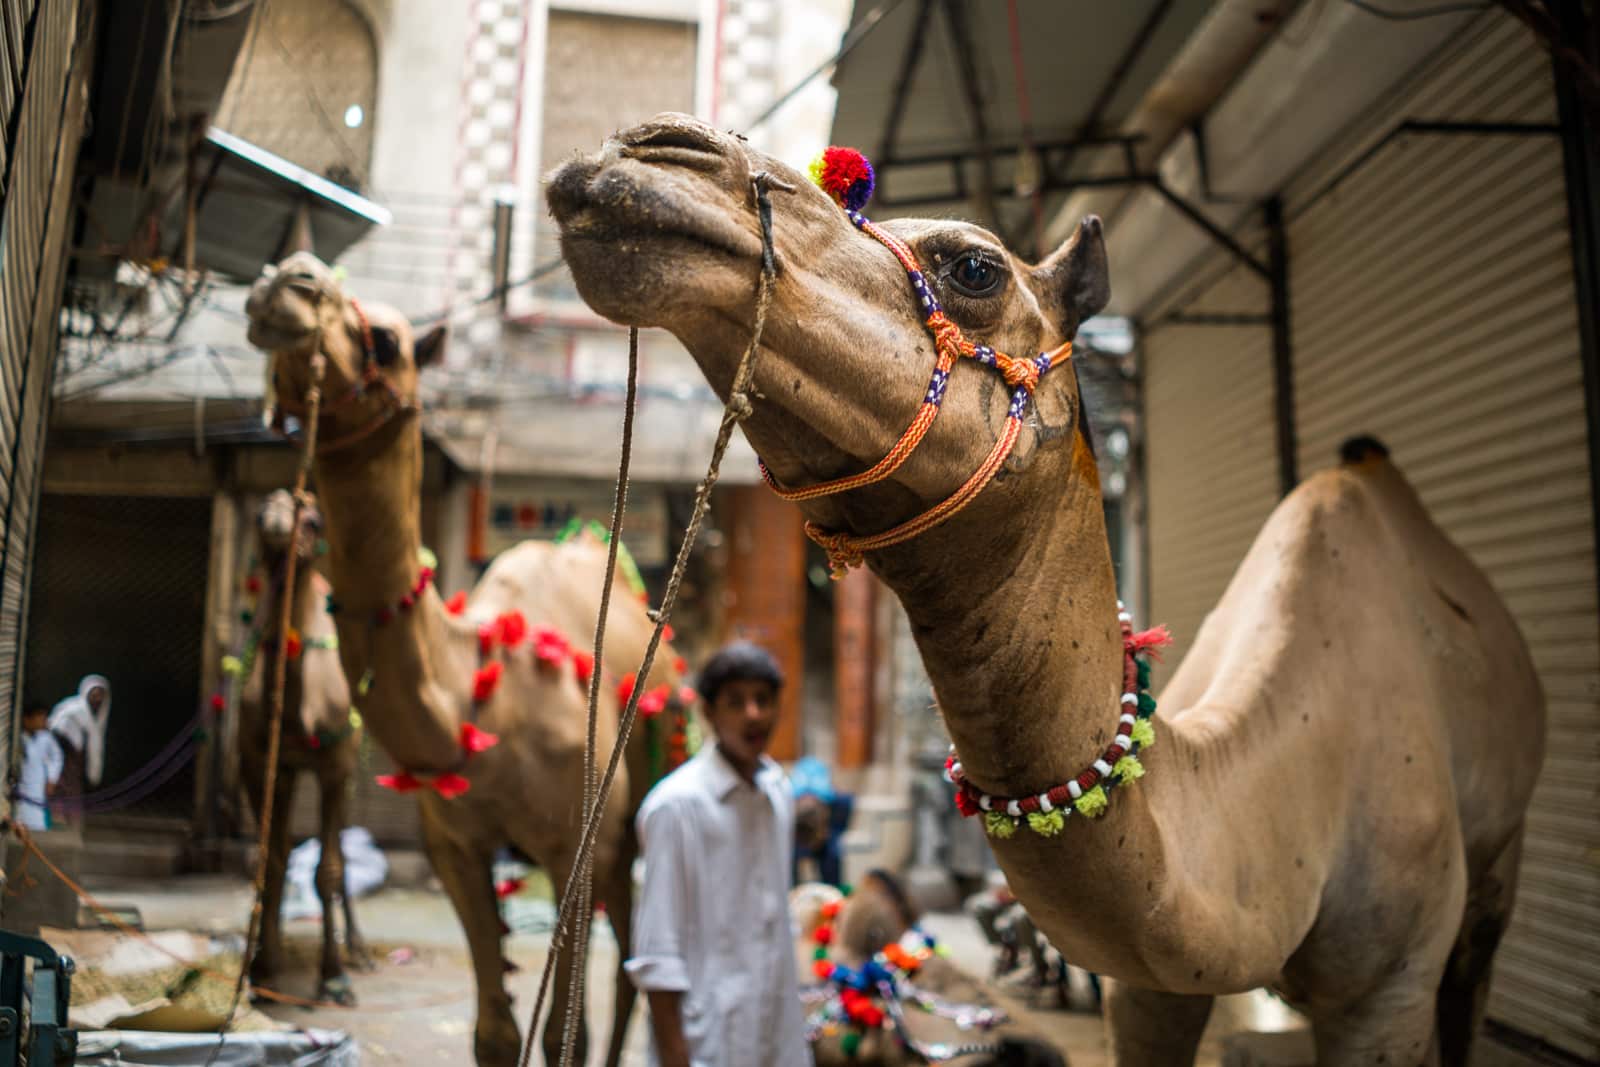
{"points": [[419, 667]]}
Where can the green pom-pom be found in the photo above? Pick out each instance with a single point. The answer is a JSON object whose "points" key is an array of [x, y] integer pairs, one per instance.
{"points": [[1047, 823], [1128, 768], [232, 665], [426, 557], [820, 952], [844, 888], [322, 546], [247, 617], [850, 1043], [942, 950], [1147, 704], [999, 824], [1144, 733], [1144, 673], [1092, 804]]}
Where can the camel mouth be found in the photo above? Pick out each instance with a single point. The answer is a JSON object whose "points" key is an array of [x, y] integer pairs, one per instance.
{"points": [[662, 195]]}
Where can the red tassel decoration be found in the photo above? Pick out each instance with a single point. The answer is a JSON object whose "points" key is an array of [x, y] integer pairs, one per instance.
{"points": [[966, 803], [217, 703], [1150, 641], [823, 935], [484, 681], [513, 628], [551, 645], [583, 664], [292, 645], [404, 782], [474, 740], [625, 689], [488, 636], [680, 665], [457, 602], [450, 786]]}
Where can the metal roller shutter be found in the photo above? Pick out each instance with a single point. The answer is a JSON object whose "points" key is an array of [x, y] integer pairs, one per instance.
{"points": [[42, 102], [1210, 454], [1434, 307]]}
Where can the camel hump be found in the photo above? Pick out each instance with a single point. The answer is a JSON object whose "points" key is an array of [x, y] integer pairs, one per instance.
{"points": [[1362, 448]]}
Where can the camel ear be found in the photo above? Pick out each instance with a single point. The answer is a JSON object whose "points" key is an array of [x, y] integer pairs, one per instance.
{"points": [[1077, 277], [429, 348]]}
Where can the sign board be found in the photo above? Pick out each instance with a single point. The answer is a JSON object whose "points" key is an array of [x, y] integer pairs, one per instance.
{"points": [[541, 510]]}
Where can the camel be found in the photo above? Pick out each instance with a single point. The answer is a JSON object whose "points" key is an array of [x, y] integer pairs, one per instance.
{"points": [[321, 735], [482, 701], [1334, 804]]}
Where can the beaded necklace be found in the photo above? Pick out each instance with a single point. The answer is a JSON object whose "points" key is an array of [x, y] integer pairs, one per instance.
{"points": [[1046, 813]]}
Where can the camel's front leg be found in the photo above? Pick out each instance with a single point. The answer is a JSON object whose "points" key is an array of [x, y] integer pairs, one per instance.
{"points": [[468, 878], [1150, 1029], [335, 985], [268, 961]]}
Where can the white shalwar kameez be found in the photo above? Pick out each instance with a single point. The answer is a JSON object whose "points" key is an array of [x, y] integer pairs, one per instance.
{"points": [[712, 920]]}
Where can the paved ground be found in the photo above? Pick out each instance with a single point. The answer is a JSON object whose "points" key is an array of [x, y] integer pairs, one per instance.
{"points": [[418, 1006]]}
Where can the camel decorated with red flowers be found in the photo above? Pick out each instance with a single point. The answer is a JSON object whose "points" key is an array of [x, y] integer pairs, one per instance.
{"points": [[1332, 801], [321, 733], [480, 702]]}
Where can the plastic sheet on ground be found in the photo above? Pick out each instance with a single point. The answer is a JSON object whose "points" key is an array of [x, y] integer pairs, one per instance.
{"points": [[304, 1048], [365, 869]]}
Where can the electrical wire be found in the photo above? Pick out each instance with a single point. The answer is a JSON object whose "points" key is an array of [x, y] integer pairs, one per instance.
{"points": [[1419, 13]]}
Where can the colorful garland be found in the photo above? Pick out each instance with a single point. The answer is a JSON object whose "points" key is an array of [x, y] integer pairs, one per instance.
{"points": [[861, 999], [1046, 814]]}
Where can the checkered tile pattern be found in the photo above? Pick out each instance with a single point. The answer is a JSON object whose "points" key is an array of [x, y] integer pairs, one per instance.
{"points": [[748, 73], [492, 87]]}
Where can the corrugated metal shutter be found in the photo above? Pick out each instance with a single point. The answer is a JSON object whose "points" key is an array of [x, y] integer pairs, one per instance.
{"points": [[44, 120], [1434, 307], [1209, 452]]}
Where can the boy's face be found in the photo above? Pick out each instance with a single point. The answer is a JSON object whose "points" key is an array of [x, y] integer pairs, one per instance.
{"points": [[743, 717], [34, 721]]}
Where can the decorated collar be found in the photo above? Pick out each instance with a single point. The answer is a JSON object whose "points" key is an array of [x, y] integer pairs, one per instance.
{"points": [[1087, 794]]}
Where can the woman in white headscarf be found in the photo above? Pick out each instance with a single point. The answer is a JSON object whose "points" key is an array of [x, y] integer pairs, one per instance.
{"points": [[79, 723]]}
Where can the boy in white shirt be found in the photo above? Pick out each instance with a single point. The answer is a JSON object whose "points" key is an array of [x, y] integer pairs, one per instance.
{"points": [[713, 948], [42, 761]]}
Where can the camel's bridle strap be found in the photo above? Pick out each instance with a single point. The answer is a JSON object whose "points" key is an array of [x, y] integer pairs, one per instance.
{"points": [[372, 380], [847, 550]]}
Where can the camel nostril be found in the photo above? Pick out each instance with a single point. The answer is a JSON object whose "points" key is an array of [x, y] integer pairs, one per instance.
{"points": [[682, 141]]}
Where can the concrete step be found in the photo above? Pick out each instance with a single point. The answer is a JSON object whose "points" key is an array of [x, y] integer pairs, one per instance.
{"points": [[130, 855]]}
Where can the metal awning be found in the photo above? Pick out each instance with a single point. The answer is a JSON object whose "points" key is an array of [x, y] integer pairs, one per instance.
{"points": [[250, 202], [964, 112]]}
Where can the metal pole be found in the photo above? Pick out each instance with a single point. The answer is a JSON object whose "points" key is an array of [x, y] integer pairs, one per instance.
{"points": [[504, 207], [1282, 346]]}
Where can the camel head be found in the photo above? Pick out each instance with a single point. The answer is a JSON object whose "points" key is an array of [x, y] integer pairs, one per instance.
{"points": [[298, 308], [275, 527], [661, 229]]}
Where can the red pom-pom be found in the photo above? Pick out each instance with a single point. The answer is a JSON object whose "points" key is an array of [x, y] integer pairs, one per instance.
{"points": [[654, 702], [1149, 641], [822, 969], [252, 584], [450, 786], [474, 740], [625, 688], [583, 664], [966, 803], [457, 602], [293, 646], [823, 935], [831, 909], [686, 695], [871, 1016], [404, 782], [513, 628], [845, 175], [217, 703], [668, 633], [680, 665], [508, 887], [488, 637], [484, 681]]}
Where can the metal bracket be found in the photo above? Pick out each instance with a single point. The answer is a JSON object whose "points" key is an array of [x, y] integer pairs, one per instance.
{"points": [[43, 1002]]}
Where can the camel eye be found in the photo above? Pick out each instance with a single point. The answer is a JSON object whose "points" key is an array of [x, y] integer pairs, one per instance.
{"points": [[973, 275]]}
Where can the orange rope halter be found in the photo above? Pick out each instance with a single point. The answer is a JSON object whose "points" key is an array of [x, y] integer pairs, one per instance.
{"points": [[846, 176]]}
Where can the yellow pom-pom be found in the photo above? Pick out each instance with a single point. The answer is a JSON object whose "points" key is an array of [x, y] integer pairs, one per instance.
{"points": [[1047, 823], [232, 665], [815, 169], [1144, 734], [355, 719], [426, 557], [999, 824], [1128, 768], [1093, 803]]}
